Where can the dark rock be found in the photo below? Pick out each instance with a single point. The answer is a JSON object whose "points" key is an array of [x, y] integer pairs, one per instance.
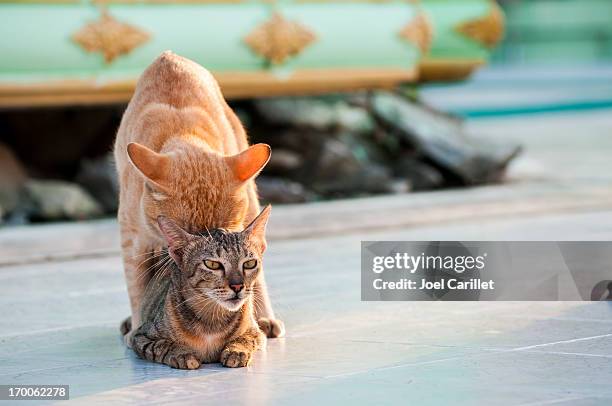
{"points": [[419, 175], [320, 113], [331, 163], [283, 161], [20, 216], [243, 115], [292, 139], [277, 190], [400, 186], [12, 180], [339, 170], [372, 179], [336, 158], [99, 177], [58, 200], [51, 142], [442, 141], [364, 147]]}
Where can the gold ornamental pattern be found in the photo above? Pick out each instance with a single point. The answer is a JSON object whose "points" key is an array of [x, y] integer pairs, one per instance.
{"points": [[488, 30], [110, 37], [419, 32], [278, 39]]}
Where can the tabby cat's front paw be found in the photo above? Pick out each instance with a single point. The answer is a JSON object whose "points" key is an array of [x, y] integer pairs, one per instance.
{"points": [[272, 328], [235, 358], [182, 361]]}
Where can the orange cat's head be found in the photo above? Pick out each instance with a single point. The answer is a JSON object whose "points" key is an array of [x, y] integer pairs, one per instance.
{"points": [[197, 187]]}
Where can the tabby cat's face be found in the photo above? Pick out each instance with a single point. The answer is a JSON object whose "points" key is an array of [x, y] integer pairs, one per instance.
{"points": [[217, 264], [222, 266]]}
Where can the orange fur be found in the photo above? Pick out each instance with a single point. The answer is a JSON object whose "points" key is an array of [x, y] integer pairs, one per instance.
{"points": [[181, 152]]}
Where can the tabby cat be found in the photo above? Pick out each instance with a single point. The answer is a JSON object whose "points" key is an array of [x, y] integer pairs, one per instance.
{"points": [[202, 309]]}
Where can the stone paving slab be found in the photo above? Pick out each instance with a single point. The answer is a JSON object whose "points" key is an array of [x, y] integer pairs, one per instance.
{"points": [[338, 349]]}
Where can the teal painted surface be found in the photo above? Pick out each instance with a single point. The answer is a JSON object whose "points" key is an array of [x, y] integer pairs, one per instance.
{"points": [[212, 35], [36, 44], [36, 39], [445, 17], [364, 35], [42, 34], [36, 36], [571, 31], [515, 91], [548, 108]]}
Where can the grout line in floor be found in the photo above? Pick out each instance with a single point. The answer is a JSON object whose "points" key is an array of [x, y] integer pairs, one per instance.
{"points": [[58, 329], [92, 364], [558, 400], [575, 354], [489, 353], [574, 340]]}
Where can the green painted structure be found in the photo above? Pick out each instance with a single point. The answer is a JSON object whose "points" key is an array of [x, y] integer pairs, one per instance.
{"points": [[448, 44], [318, 45], [554, 31]]}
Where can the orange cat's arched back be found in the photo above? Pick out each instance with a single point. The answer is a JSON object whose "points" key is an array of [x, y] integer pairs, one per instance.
{"points": [[182, 152]]}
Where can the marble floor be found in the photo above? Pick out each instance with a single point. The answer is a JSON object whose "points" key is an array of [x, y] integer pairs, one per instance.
{"points": [[60, 326], [62, 296]]}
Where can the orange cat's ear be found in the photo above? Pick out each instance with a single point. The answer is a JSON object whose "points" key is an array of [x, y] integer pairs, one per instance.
{"points": [[152, 165], [175, 236], [249, 162], [256, 231]]}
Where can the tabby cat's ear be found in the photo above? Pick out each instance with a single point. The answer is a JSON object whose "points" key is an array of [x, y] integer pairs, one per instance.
{"points": [[150, 164], [175, 236], [256, 231], [249, 162]]}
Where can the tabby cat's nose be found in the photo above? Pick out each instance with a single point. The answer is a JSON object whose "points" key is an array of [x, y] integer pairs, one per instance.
{"points": [[237, 288]]}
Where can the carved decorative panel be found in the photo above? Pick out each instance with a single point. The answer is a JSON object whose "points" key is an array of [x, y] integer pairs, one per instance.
{"points": [[279, 39], [419, 32], [487, 30], [110, 37]]}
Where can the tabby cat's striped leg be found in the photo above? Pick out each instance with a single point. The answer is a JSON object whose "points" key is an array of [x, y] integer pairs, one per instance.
{"points": [[164, 351], [238, 352]]}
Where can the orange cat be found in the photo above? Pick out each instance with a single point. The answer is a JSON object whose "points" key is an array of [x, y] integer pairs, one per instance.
{"points": [[181, 152]]}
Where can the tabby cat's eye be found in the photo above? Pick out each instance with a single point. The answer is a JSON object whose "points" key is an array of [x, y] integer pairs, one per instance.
{"points": [[214, 265], [250, 264]]}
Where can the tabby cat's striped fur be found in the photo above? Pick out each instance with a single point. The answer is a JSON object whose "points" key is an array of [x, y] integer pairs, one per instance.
{"points": [[202, 308]]}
